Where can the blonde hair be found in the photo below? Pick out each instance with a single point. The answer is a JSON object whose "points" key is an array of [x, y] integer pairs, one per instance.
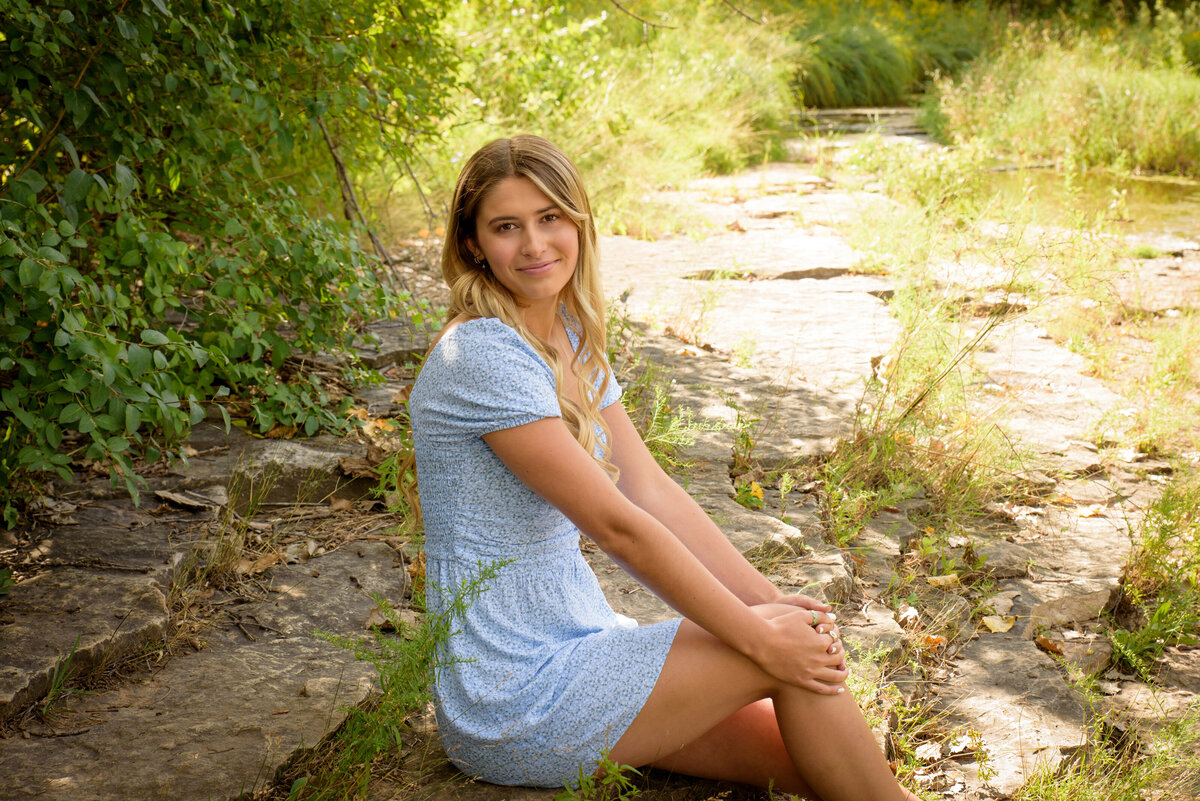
{"points": [[475, 292]]}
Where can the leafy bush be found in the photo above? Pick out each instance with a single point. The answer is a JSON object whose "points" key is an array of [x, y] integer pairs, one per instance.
{"points": [[637, 107], [1123, 95], [880, 52], [157, 248], [1162, 576]]}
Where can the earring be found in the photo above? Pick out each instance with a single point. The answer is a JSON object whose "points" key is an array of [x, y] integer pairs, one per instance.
{"points": [[480, 262]]}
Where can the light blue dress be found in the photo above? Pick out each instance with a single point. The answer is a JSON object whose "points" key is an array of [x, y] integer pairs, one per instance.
{"points": [[543, 676]]}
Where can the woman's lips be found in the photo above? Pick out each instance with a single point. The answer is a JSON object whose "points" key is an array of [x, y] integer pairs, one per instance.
{"points": [[539, 268]]}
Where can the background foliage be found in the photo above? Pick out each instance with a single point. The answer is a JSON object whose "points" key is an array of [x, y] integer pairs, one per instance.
{"points": [[186, 185], [159, 163]]}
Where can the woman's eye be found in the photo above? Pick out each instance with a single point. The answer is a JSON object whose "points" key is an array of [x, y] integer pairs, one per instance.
{"points": [[551, 218], [506, 227]]}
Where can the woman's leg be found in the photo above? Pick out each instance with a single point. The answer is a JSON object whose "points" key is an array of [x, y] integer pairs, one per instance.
{"points": [[746, 747], [693, 723]]}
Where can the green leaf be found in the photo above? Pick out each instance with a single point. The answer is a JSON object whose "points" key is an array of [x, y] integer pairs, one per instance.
{"points": [[152, 337], [68, 146], [117, 444], [28, 272], [51, 254], [126, 183], [133, 418], [32, 180], [139, 360], [76, 187], [71, 413], [127, 28]]}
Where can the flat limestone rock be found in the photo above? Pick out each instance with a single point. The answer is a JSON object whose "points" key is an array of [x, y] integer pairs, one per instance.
{"points": [[873, 628], [396, 342], [209, 725], [785, 419], [1067, 610], [99, 615], [1011, 693], [333, 593], [112, 534], [1049, 401], [1003, 559], [268, 470]]}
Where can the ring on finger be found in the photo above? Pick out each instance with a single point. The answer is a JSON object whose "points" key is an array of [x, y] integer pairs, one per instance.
{"points": [[814, 611]]}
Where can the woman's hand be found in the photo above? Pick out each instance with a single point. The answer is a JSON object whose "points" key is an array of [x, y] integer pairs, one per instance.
{"points": [[796, 651], [802, 601]]}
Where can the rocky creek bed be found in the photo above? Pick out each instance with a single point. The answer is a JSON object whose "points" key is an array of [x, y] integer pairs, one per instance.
{"points": [[764, 315]]}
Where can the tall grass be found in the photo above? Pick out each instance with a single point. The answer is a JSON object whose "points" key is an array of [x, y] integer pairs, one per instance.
{"points": [[881, 52], [1119, 94], [637, 107], [696, 89]]}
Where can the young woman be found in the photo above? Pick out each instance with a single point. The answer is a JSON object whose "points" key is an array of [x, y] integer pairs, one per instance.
{"points": [[521, 444]]}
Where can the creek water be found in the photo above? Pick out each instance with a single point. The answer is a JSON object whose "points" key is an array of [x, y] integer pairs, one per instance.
{"points": [[1136, 204], [1127, 204]]}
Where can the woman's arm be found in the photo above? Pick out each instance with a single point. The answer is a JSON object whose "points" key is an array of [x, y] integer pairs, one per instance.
{"points": [[650, 488], [545, 456]]}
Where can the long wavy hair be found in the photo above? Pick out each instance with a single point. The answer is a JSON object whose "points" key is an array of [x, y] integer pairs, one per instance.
{"points": [[475, 291]]}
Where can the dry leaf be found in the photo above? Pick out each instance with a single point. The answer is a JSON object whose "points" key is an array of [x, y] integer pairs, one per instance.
{"points": [[341, 504], [280, 431], [358, 467], [416, 570], [378, 620], [908, 615], [933, 641], [252, 567], [998, 624], [1047, 644], [928, 753], [1094, 510], [736, 226], [943, 582]]}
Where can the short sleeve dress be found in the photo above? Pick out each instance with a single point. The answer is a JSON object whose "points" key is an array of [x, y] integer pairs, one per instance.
{"points": [[541, 675]]}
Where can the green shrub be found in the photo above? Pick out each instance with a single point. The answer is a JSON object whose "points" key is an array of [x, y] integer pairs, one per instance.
{"points": [[636, 107], [156, 245], [880, 52], [1123, 95]]}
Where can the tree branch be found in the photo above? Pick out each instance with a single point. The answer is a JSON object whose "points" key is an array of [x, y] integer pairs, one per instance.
{"points": [[742, 13], [54, 128], [640, 19], [353, 212]]}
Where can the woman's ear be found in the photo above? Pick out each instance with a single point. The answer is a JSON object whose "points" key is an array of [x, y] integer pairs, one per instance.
{"points": [[473, 246]]}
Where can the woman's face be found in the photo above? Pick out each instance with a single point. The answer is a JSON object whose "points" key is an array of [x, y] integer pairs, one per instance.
{"points": [[531, 246]]}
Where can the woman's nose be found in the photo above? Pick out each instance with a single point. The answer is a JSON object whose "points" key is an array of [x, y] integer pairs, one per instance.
{"points": [[532, 243]]}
